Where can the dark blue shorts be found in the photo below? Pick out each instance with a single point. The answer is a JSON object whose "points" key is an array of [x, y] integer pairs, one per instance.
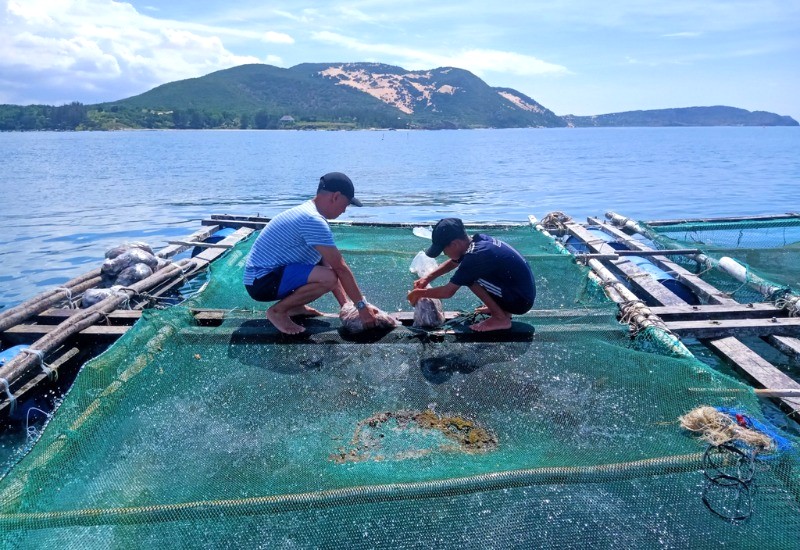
{"points": [[279, 283], [512, 302]]}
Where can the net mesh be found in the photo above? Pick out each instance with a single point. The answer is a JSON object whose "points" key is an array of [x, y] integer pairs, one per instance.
{"points": [[562, 433]]}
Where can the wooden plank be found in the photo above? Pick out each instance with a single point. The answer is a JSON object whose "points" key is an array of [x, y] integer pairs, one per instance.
{"points": [[200, 244], [756, 369], [258, 222], [27, 334], [327, 331], [209, 255], [118, 317], [785, 326], [200, 235], [211, 317], [717, 311], [787, 345], [700, 287], [655, 291], [216, 316], [681, 251]]}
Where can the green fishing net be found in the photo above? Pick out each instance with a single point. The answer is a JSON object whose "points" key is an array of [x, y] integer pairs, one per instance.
{"points": [[562, 432]]}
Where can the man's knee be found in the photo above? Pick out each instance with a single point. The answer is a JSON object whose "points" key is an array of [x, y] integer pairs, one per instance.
{"points": [[326, 277]]}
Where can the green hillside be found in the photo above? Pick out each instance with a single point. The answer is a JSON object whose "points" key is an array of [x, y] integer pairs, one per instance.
{"points": [[689, 116], [345, 96]]}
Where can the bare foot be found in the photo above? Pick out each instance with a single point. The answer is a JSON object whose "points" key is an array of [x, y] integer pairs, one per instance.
{"points": [[304, 311], [283, 323], [492, 323]]}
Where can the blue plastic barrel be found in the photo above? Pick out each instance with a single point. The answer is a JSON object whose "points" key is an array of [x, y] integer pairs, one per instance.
{"points": [[8, 354], [641, 262]]}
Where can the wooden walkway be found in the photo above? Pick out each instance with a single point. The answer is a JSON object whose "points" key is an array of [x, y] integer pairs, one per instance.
{"points": [[66, 338], [720, 323]]}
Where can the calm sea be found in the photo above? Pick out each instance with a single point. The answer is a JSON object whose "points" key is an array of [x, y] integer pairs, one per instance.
{"points": [[67, 197]]}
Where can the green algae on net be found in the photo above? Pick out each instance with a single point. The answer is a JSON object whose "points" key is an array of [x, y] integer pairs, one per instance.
{"points": [[399, 435]]}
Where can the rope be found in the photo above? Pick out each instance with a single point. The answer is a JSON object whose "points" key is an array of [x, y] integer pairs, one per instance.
{"points": [[556, 221], [51, 373], [351, 496], [126, 303], [70, 301], [12, 401], [31, 431], [790, 303], [739, 484], [632, 309]]}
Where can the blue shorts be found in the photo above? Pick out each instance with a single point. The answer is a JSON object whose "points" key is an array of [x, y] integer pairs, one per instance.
{"points": [[280, 282]]}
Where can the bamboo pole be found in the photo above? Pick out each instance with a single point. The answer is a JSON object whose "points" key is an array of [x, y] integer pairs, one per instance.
{"points": [[46, 299], [21, 364]]}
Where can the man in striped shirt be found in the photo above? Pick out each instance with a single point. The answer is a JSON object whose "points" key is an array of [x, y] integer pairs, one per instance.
{"points": [[294, 260], [493, 270]]}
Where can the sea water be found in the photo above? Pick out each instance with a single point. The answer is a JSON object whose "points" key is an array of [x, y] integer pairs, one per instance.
{"points": [[68, 196]]}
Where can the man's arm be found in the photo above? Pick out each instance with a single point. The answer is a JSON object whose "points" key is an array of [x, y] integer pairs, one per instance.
{"points": [[347, 283], [446, 267]]}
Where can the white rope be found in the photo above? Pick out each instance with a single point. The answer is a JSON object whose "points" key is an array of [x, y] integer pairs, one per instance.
{"points": [[31, 431], [791, 304], [47, 369], [70, 301], [12, 401]]}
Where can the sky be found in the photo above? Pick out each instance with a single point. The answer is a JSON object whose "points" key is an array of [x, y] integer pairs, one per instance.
{"points": [[577, 57]]}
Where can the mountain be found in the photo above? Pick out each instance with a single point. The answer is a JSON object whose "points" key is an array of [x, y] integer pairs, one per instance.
{"points": [[346, 96], [689, 116], [366, 94]]}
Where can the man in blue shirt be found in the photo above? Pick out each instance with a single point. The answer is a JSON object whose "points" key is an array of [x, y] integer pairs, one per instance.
{"points": [[295, 260], [496, 273]]}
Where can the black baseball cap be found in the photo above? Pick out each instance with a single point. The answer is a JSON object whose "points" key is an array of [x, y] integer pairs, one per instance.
{"points": [[444, 232], [336, 181]]}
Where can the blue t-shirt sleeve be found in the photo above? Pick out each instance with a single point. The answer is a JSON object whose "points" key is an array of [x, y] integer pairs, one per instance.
{"points": [[317, 232], [467, 272]]}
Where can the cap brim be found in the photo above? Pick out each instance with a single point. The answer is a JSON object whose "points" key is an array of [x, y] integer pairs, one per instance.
{"points": [[434, 251], [355, 202]]}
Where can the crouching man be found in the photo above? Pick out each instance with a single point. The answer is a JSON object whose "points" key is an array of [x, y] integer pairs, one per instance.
{"points": [[295, 260], [494, 271]]}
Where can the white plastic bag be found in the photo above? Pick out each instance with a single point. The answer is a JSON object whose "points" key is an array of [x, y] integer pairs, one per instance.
{"points": [[422, 265]]}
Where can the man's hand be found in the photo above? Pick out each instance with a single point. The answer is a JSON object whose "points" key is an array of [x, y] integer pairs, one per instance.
{"points": [[367, 316], [422, 282]]}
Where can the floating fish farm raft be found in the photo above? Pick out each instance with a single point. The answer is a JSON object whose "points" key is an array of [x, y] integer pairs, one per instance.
{"points": [[649, 400]]}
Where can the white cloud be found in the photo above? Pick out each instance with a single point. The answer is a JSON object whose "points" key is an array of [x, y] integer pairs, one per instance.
{"points": [[96, 45], [277, 38]]}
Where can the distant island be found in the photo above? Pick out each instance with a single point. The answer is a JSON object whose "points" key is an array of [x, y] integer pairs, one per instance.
{"points": [[346, 96]]}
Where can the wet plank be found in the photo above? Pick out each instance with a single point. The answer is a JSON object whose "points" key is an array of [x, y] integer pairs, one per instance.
{"points": [[28, 334], [787, 326], [757, 370], [787, 345], [717, 311]]}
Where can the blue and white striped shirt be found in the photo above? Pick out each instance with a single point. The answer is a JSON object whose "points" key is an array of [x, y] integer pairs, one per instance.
{"points": [[289, 238]]}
